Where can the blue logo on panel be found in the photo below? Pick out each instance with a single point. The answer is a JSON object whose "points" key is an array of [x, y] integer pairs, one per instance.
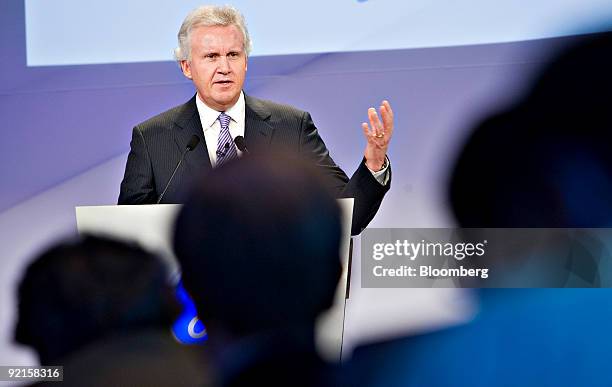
{"points": [[188, 329]]}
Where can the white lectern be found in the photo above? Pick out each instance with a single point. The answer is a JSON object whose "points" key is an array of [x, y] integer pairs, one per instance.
{"points": [[151, 226]]}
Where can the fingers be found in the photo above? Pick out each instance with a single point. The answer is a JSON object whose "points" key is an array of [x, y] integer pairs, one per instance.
{"points": [[378, 135], [387, 117], [366, 129], [377, 128], [387, 106], [369, 134]]}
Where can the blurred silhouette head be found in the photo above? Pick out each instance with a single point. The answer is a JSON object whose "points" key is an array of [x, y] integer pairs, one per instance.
{"points": [[80, 291], [258, 243], [546, 162]]}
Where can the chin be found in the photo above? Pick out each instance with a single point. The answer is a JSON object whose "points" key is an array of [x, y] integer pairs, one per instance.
{"points": [[227, 101]]}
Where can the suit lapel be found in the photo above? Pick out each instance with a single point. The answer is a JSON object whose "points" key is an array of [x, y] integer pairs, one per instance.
{"points": [[257, 129], [187, 124]]}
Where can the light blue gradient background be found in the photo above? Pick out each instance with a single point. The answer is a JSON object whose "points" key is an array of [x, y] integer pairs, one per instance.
{"points": [[62, 32]]}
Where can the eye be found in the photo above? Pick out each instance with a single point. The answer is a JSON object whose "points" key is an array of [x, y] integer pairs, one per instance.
{"points": [[233, 55], [211, 56]]}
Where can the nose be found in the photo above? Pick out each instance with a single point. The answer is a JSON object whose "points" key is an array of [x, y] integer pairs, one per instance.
{"points": [[224, 67]]}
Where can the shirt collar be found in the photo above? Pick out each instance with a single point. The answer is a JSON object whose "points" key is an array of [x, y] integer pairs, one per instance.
{"points": [[209, 116]]}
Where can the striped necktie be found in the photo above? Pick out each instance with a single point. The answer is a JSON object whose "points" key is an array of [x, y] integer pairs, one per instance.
{"points": [[226, 149]]}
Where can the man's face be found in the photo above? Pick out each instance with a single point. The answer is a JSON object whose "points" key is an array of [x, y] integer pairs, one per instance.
{"points": [[218, 65]]}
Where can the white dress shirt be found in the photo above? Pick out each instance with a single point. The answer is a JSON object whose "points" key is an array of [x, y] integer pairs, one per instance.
{"points": [[212, 127]]}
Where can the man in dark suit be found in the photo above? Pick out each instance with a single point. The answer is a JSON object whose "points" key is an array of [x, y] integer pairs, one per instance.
{"points": [[213, 50]]}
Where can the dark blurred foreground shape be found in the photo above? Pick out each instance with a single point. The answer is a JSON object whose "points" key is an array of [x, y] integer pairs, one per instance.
{"points": [[547, 162], [102, 309], [258, 243]]}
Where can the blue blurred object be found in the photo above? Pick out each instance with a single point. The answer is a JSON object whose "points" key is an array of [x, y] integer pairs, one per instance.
{"points": [[188, 329], [521, 337]]}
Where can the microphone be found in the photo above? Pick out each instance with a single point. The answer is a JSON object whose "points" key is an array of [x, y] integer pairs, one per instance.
{"points": [[193, 142], [221, 153], [241, 144], [191, 145]]}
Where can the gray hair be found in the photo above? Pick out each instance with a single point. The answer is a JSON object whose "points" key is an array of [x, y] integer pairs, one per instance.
{"points": [[209, 16]]}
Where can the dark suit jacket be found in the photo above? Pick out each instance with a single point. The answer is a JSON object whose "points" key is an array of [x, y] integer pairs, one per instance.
{"points": [[157, 145]]}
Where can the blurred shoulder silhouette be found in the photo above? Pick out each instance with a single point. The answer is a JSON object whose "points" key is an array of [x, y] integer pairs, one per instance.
{"points": [[546, 162], [102, 309], [258, 243]]}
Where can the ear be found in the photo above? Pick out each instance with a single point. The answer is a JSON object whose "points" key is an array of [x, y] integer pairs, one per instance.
{"points": [[186, 68]]}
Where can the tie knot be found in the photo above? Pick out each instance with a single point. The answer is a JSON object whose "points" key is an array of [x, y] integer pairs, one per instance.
{"points": [[224, 119]]}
